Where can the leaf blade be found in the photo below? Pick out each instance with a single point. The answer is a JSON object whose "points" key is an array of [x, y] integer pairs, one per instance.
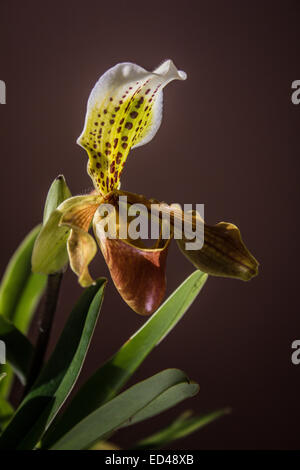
{"points": [[59, 374], [16, 275], [19, 350], [166, 400], [112, 414], [20, 292], [6, 412], [180, 428]]}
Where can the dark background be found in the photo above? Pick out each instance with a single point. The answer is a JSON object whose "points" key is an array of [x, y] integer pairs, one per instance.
{"points": [[229, 139]]}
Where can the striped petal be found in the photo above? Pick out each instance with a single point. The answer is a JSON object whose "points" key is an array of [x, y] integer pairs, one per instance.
{"points": [[124, 111], [223, 254]]}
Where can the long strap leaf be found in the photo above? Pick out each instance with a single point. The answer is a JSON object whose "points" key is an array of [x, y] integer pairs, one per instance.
{"points": [[20, 292], [119, 410]]}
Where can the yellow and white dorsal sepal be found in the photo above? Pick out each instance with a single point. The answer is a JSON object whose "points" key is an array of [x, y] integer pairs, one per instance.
{"points": [[124, 111]]}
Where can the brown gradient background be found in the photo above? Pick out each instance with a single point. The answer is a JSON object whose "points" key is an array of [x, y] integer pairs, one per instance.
{"points": [[229, 139]]}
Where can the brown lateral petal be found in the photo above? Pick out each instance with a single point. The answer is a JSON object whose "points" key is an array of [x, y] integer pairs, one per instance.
{"points": [[223, 253], [138, 273]]}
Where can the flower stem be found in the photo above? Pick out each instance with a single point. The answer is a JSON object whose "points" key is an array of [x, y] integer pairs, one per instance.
{"points": [[45, 322]]}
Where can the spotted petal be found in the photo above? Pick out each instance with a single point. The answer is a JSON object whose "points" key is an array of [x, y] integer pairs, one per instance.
{"points": [[124, 111]]}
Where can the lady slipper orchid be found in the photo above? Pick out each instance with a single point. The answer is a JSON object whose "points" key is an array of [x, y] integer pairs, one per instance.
{"points": [[124, 111]]}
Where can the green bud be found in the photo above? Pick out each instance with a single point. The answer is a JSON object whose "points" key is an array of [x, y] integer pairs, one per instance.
{"points": [[57, 193], [50, 249]]}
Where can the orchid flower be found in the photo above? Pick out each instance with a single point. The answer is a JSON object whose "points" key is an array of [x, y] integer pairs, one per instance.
{"points": [[124, 111]]}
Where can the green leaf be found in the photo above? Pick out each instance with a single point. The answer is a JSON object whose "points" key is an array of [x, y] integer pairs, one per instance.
{"points": [[119, 410], [16, 276], [58, 376], [6, 411], [19, 350], [29, 300], [110, 378], [20, 292], [5, 385], [166, 400], [181, 427]]}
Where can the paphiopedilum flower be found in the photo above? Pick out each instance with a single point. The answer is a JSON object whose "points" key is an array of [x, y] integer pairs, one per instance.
{"points": [[124, 111]]}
